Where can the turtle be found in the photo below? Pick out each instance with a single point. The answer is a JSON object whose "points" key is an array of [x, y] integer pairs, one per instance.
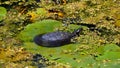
{"points": [[56, 38]]}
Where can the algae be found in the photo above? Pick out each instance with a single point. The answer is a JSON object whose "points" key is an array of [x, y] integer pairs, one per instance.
{"points": [[3, 13], [96, 48]]}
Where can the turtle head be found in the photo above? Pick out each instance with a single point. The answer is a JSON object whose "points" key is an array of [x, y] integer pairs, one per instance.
{"points": [[76, 32]]}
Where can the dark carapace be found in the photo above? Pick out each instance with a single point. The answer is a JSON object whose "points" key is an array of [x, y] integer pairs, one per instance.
{"points": [[55, 39]]}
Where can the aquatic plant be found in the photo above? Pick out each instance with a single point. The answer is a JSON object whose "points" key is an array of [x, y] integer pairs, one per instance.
{"points": [[3, 13], [97, 48], [74, 54]]}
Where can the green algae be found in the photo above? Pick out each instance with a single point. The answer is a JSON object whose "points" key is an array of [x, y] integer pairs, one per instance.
{"points": [[74, 54], [34, 29], [41, 27], [3, 13], [68, 55], [91, 55]]}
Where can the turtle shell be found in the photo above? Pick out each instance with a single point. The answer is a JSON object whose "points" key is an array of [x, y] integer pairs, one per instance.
{"points": [[53, 39]]}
